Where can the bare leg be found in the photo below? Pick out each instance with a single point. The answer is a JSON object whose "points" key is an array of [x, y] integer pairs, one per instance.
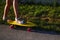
{"points": [[15, 6], [6, 9]]}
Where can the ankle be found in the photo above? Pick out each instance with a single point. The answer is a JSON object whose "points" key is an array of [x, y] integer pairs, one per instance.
{"points": [[3, 18], [16, 19]]}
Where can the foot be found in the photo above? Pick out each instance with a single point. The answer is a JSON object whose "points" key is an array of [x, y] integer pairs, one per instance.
{"points": [[4, 18], [20, 21]]}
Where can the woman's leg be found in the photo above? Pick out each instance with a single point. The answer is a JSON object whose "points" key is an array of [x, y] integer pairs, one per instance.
{"points": [[6, 9], [15, 6]]}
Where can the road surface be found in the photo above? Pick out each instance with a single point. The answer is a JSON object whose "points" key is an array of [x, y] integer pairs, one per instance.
{"points": [[9, 34]]}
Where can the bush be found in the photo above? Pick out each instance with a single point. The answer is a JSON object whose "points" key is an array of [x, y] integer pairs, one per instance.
{"points": [[36, 11]]}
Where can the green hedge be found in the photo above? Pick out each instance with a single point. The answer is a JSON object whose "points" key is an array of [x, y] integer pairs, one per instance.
{"points": [[39, 11]]}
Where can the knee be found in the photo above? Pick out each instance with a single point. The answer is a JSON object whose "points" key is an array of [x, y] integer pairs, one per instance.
{"points": [[15, 2], [8, 4]]}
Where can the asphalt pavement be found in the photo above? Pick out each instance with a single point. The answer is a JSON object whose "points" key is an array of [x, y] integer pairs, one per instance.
{"points": [[12, 34]]}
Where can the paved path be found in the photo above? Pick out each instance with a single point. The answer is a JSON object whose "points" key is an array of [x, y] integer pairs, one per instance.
{"points": [[8, 34]]}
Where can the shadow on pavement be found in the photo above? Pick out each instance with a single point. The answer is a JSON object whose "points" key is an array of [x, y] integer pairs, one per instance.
{"points": [[38, 30]]}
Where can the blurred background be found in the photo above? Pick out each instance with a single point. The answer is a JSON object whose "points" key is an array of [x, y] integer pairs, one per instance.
{"points": [[44, 13]]}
